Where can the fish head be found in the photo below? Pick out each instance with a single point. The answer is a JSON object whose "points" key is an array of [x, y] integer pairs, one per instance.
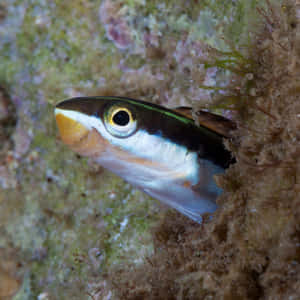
{"points": [[91, 126]]}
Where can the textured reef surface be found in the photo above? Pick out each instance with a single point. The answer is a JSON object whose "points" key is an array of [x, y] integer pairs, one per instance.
{"points": [[71, 230]]}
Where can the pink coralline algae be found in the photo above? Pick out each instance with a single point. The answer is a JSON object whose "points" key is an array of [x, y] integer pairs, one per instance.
{"points": [[116, 27], [22, 141]]}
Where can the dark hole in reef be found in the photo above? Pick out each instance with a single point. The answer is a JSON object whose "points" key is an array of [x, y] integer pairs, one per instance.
{"points": [[3, 12], [187, 71], [121, 118], [8, 121]]}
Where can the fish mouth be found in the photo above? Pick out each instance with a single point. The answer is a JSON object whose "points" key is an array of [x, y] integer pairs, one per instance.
{"points": [[75, 132], [71, 130]]}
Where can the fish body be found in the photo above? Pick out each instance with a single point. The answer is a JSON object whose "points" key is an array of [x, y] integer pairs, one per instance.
{"points": [[156, 149]]}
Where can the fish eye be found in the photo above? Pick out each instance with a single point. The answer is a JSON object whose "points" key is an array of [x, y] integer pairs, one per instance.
{"points": [[120, 121], [121, 118]]}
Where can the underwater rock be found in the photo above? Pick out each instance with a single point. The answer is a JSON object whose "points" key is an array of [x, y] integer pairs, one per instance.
{"points": [[4, 111], [112, 17], [9, 280], [22, 140], [7, 128], [3, 12], [8, 285], [7, 109]]}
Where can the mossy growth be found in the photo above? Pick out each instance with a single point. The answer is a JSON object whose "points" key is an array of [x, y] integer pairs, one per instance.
{"points": [[250, 249]]}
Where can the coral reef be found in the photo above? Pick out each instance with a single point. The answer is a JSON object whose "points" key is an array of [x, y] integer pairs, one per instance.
{"points": [[71, 230]]}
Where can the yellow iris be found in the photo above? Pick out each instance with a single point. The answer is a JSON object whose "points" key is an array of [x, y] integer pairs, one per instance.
{"points": [[115, 110], [120, 121]]}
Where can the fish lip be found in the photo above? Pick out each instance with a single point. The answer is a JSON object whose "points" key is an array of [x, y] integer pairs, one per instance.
{"points": [[74, 115], [78, 133], [72, 130]]}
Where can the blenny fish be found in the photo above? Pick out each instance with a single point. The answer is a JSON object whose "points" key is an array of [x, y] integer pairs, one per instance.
{"points": [[159, 150]]}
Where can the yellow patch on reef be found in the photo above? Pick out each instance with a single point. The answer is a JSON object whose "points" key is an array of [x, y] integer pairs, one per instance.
{"points": [[71, 131]]}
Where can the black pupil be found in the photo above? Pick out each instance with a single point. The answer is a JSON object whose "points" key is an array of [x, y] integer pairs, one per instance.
{"points": [[121, 118]]}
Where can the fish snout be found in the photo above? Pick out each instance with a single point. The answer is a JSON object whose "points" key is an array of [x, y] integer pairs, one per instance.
{"points": [[71, 131], [75, 132]]}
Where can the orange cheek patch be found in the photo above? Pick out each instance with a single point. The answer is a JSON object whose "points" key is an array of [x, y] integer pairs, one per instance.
{"points": [[71, 132], [92, 145]]}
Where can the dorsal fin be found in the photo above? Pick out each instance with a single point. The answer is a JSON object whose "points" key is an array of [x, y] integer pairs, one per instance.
{"points": [[184, 110], [209, 120]]}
